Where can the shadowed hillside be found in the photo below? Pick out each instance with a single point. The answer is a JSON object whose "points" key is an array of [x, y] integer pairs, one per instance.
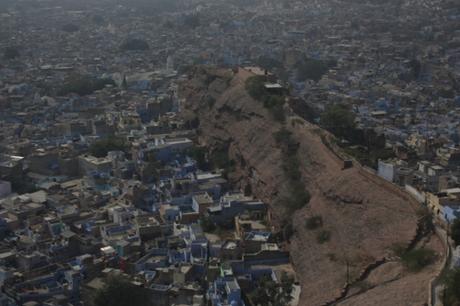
{"points": [[363, 218]]}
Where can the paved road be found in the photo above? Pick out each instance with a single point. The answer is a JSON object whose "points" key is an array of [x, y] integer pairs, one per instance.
{"points": [[295, 295], [438, 288], [437, 300]]}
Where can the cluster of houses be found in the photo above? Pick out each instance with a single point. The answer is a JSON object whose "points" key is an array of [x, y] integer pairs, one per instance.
{"points": [[181, 233], [102, 183], [434, 183], [106, 186]]}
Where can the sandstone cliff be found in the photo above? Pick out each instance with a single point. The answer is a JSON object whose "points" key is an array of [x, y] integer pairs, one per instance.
{"points": [[364, 216]]}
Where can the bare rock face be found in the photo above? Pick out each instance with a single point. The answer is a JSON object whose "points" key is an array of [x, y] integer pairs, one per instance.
{"points": [[363, 215], [235, 119]]}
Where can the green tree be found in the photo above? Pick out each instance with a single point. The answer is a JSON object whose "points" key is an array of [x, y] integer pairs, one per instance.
{"points": [[83, 84], [255, 86], [416, 260], [452, 290], [277, 113], [98, 19], [101, 147], [120, 292], [298, 196], [416, 67], [339, 119], [70, 28], [124, 83], [219, 159], [248, 190], [267, 292], [286, 288], [199, 155], [207, 225], [455, 231], [323, 236], [269, 63], [134, 44], [283, 137], [11, 53], [287, 230], [192, 21], [311, 69]]}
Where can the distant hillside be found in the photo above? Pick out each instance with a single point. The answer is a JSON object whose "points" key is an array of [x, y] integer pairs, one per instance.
{"points": [[362, 219]]}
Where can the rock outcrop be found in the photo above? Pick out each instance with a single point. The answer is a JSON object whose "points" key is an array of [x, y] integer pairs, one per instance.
{"points": [[364, 216]]}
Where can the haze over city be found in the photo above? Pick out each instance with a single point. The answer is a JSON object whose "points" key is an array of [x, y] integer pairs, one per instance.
{"points": [[229, 152]]}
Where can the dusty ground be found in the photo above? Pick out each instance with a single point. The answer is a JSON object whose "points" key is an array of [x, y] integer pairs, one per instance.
{"points": [[395, 286], [364, 217]]}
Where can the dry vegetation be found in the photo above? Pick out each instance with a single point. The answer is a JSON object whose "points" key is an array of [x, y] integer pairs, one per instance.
{"points": [[361, 218]]}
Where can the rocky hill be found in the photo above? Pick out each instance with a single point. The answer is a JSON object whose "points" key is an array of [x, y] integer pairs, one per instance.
{"points": [[348, 259]]}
